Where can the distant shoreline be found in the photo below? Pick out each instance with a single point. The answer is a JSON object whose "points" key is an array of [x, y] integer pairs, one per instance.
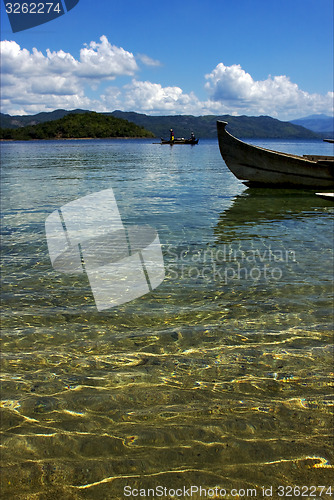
{"points": [[302, 139], [75, 139]]}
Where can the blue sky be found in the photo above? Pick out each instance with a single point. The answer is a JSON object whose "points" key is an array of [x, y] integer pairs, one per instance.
{"points": [[252, 57]]}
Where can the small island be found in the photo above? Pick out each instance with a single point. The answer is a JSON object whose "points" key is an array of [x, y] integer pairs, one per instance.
{"points": [[89, 125]]}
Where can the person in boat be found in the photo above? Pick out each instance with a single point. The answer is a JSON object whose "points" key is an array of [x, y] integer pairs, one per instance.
{"points": [[171, 137], [192, 136]]}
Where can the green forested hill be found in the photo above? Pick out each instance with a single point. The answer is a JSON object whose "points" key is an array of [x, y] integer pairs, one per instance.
{"points": [[91, 124]]}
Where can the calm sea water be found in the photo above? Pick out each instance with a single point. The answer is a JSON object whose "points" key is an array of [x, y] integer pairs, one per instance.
{"points": [[219, 378]]}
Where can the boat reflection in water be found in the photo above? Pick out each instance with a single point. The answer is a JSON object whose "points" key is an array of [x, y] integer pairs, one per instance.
{"points": [[266, 212], [275, 247]]}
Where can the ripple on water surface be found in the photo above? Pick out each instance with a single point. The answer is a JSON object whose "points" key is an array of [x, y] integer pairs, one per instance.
{"points": [[219, 377]]}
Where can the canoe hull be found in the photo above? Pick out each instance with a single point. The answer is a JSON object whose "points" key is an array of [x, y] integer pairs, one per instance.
{"points": [[259, 166]]}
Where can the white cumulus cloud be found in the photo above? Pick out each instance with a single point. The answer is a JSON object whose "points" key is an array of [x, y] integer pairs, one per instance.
{"points": [[153, 97], [33, 81], [105, 60], [232, 90]]}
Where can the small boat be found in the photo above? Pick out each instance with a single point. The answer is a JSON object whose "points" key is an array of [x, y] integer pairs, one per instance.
{"points": [[258, 166], [180, 141], [173, 140], [329, 140], [326, 196]]}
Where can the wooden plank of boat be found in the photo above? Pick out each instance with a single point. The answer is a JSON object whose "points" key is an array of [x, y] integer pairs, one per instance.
{"points": [[262, 167], [326, 196]]}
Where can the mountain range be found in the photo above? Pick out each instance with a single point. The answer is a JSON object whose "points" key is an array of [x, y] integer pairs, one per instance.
{"points": [[317, 123], [311, 127], [205, 126]]}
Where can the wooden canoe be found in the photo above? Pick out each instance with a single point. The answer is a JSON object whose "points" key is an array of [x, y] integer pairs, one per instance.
{"points": [[263, 167]]}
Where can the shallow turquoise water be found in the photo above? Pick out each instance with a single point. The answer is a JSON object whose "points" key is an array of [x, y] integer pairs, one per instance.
{"points": [[221, 376]]}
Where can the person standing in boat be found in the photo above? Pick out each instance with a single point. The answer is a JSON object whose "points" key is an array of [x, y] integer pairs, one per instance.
{"points": [[192, 136], [171, 138]]}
